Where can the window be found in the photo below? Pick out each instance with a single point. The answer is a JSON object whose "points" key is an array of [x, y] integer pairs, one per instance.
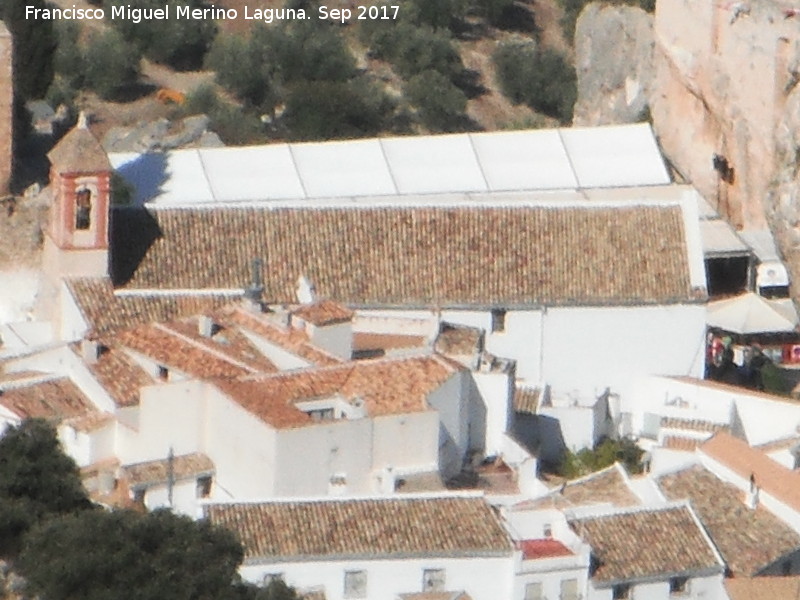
{"points": [[569, 589], [163, 373], [355, 584], [433, 580], [322, 414], [83, 209], [547, 530], [533, 591], [138, 496], [621, 592], [498, 321], [204, 486], [678, 586]]}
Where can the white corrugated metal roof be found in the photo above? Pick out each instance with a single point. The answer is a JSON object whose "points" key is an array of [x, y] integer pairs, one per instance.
{"points": [[537, 160], [615, 156]]}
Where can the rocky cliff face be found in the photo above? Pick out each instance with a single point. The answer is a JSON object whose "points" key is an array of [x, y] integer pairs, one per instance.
{"points": [[724, 83], [614, 60]]}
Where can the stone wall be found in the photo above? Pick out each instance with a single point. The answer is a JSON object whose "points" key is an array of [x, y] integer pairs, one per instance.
{"points": [[6, 110]]}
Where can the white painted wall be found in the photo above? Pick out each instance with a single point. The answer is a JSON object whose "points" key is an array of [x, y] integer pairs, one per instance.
{"points": [[184, 497], [700, 588], [591, 349], [496, 394], [242, 448], [483, 578], [451, 400], [406, 443], [19, 294], [336, 339], [73, 324], [308, 456]]}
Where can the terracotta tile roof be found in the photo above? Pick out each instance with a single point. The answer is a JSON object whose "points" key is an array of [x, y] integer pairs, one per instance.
{"points": [[185, 466], [294, 340], [526, 399], [509, 256], [380, 343], [763, 588], [169, 347], [106, 312], [90, 422], [748, 540], [678, 442], [323, 312], [543, 548], [56, 399], [459, 340], [639, 544], [371, 528], [782, 444], [79, 152], [387, 386], [692, 424], [120, 376], [771, 476], [229, 341], [605, 486]]}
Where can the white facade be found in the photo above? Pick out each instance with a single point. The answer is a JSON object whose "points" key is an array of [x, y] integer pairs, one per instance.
{"points": [[708, 587], [483, 578], [590, 349]]}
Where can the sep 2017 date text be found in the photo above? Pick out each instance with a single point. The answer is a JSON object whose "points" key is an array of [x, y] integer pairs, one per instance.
{"points": [[380, 12]]}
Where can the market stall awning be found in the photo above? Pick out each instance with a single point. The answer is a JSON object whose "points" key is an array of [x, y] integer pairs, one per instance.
{"points": [[749, 313]]}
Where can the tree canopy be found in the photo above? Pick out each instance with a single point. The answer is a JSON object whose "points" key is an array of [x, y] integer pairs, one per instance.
{"points": [[127, 555], [37, 480]]}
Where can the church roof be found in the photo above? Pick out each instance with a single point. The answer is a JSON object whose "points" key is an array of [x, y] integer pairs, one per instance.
{"points": [[504, 256], [79, 152]]}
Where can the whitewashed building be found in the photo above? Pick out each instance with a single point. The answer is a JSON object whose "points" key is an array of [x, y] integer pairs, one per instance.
{"points": [[376, 548]]}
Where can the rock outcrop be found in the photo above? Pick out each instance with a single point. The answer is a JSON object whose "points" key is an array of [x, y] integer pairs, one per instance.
{"points": [[724, 101], [614, 60]]}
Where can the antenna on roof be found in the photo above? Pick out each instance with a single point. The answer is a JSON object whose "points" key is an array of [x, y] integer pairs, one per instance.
{"points": [[254, 293]]}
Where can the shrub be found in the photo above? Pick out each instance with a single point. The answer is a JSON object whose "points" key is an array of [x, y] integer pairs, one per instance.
{"points": [[606, 454], [440, 103], [234, 126], [438, 14], [412, 50], [179, 43], [328, 110], [110, 64], [542, 79]]}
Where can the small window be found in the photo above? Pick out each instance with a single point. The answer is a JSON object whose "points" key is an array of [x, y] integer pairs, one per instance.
{"points": [[271, 578], [569, 589], [533, 591], [547, 530], [498, 321], [433, 580], [204, 486], [621, 592], [83, 209], [355, 584], [322, 414], [678, 586], [163, 373], [139, 496]]}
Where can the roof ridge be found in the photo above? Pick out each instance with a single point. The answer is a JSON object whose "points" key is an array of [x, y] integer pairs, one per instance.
{"points": [[201, 346]]}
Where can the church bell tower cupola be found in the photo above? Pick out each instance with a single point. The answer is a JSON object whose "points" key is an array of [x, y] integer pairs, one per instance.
{"points": [[80, 179]]}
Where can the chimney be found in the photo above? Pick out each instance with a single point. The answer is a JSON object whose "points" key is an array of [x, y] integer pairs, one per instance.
{"points": [[90, 351], [205, 326], [751, 500], [306, 291], [254, 293]]}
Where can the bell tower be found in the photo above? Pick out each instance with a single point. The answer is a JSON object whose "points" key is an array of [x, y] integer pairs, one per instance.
{"points": [[76, 241]]}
